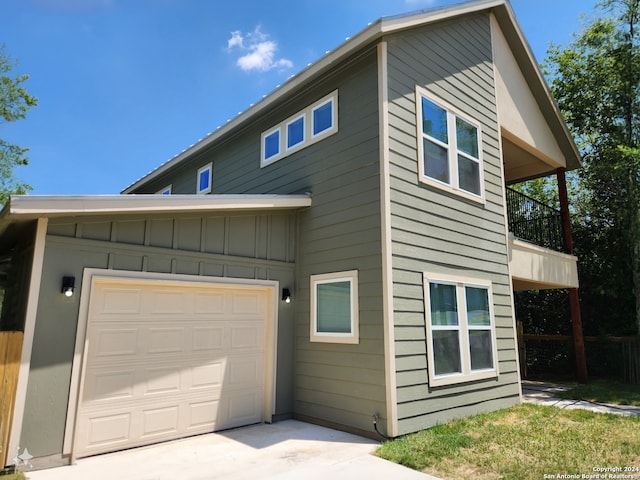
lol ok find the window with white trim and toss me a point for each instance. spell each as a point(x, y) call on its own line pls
point(449, 149)
point(165, 191)
point(204, 179)
point(461, 340)
point(334, 307)
point(301, 130)
point(295, 132)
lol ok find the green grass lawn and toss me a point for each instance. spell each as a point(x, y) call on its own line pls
point(523, 442)
point(602, 391)
point(13, 476)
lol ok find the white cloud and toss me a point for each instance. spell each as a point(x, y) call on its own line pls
point(260, 51)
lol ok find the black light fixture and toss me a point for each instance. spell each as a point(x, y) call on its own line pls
point(286, 295)
point(68, 285)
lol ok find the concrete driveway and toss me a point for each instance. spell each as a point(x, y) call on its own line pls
point(284, 450)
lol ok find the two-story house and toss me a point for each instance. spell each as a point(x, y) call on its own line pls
point(338, 253)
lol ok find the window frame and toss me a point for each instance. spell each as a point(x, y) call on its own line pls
point(464, 329)
point(452, 114)
point(263, 152)
point(309, 138)
point(304, 132)
point(168, 190)
point(199, 189)
point(353, 337)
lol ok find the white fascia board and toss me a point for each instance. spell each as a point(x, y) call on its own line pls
point(51, 205)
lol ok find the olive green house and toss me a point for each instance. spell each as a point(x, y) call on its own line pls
point(339, 253)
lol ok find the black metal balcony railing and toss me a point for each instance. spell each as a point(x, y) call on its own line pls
point(533, 221)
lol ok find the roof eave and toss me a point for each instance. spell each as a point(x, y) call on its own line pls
point(28, 206)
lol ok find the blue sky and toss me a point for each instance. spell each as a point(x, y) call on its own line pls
point(124, 85)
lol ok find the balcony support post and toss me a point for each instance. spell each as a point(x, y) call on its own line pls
point(574, 303)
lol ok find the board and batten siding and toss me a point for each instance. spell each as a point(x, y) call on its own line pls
point(239, 245)
point(435, 231)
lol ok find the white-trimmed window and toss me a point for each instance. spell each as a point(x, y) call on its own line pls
point(334, 307)
point(461, 340)
point(204, 179)
point(165, 191)
point(449, 148)
point(301, 130)
point(295, 132)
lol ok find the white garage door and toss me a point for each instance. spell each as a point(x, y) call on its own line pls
point(167, 361)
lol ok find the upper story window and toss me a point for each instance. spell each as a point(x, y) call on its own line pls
point(449, 148)
point(461, 338)
point(204, 179)
point(295, 132)
point(305, 128)
point(165, 191)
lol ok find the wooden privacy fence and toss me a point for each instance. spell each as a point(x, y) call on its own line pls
point(10, 350)
point(611, 357)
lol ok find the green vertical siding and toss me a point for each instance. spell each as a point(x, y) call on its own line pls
point(436, 231)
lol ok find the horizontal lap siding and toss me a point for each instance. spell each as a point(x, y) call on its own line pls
point(436, 231)
point(344, 383)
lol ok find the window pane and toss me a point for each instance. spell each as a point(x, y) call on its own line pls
point(446, 352)
point(272, 144)
point(469, 175)
point(203, 183)
point(444, 307)
point(480, 349)
point(295, 132)
point(323, 118)
point(434, 121)
point(477, 306)
point(467, 137)
point(436, 162)
point(333, 307)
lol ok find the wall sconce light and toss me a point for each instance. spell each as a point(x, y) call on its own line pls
point(286, 295)
point(68, 285)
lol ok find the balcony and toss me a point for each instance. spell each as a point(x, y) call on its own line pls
point(534, 222)
point(536, 260)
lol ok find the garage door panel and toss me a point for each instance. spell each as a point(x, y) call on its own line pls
point(207, 338)
point(159, 421)
point(168, 303)
point(164, 363)
point(119, 301)
point(161, 340)
point(202, 415)
point(114, 342)
point(109, 431)
point(109, 385)
point(245, 408)
point(162, 380)
point(207, 376)
point(209, 303)
point(246, 303)
point(244, 371)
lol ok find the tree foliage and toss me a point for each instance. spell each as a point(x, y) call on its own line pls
point(596, 81)
point(15, 101)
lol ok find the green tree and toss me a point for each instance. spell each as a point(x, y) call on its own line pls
point(596, 81)
point(15, 101)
